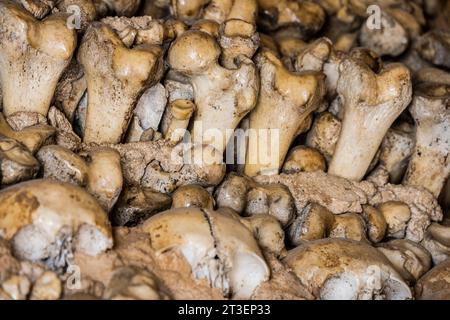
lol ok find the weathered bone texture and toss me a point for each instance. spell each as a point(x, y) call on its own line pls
point(133, 248)
point(396, 151)
point(33, 56)
point(33, 138)
point(65, 136)
point(131, 283)
point(430, 164)
point(346, 270)
point(217, 246)
point(434, 46)
point(435, 284)
point(223, 97)
point(299, 17)
point(136, 205)
point(41, 218)
point(340, 196)
point(116, 77)
point(237, 33)
point(16, 163)
point(285, 101)
point(99, 171)
point(163, 167)
point(248, 198)
point(437, 242)
point(410, 259)
point(372, 102)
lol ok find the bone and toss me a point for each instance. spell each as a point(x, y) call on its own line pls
point(223, 97)
point(201, 235)
point(430, 163)
point(342, 280)
point(53, 213)
point(372, 102)
point(279, 114)
point(35, 60)
point(115, 88)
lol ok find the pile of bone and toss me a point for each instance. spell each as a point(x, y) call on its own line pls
point(106, 104)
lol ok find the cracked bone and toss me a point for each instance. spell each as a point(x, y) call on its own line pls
point(285, 101)
point(178, 89)
point(337, 269)
point(34, 60)
point(137, 30)
point(223, 97)
point(16, 163)
point(336, 194)
point(372, 102)
point(375, 222)
point(217, 247)
point(116, 77)
point(430, 163)
point(61, 164)
point(70, 89)
point(41, 218)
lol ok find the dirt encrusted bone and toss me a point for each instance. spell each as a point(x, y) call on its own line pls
point(340, 196)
